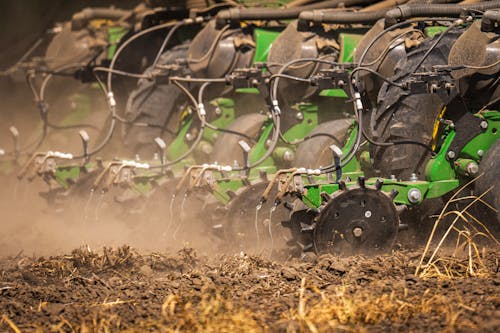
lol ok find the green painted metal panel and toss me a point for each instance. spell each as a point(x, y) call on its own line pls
point(264, 41)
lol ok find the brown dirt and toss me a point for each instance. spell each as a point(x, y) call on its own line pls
point(121, 289)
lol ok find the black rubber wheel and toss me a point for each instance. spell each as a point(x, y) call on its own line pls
point(401, 116)
point(154, 102)
point(316, 152)
point(490, 166)
point(226, 149)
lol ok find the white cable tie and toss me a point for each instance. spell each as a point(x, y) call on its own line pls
point(134, 164)
point(201, 107)
point(111, 99)
point(359, 104)
point(62, 155)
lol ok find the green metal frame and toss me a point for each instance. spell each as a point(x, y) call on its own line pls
point(442, 175)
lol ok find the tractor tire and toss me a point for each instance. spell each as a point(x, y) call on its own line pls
point(226, 149)
point(408, 117)
point(490, 168)
point(155, 102)
point(316, 152)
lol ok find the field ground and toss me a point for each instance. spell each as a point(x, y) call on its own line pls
point(120, 289)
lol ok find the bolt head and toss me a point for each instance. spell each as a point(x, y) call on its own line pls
point(413, 177)
point(480, 153)
point(357, 232)
point(484, 124)
point(414, 195)
point(189, 137)
point(451, 154)
point(472, 168)
point(218, 111)
point(299, 116)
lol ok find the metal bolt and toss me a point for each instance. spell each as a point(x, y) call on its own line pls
point(299, 116)
point(413, 177)
point(472, 168)
point(451, 154)
point(368, 214)
point(393, 177)
point(218, 111)
point(357, 232)
point(414, 195)
point(268, 143)
point(480, 153)
point(484, 124)
point(189, 137)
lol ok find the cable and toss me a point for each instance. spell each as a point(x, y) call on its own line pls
point(140, 34)
point(274, 90)
point(291, 77)
point(434, 45)
point(392, 46)
point(165, 42)
point(123, 73)
point(385, 79)
point(211, 50)
point(354, 84)
point(200, 131)
point(213, 127)
point(394, 27)
point(198, 80)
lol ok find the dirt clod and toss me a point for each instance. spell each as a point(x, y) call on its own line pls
point(122, 289)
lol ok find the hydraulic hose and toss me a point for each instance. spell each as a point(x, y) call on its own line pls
point(368, 15)
point(142, 33)
point(81, 19)
point(321, 16)
point(404, 12)
point(238, 14)
point(490, 18)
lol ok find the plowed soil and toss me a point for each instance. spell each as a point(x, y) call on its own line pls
point(121, 289)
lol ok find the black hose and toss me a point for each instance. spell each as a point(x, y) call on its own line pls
point(238, 14)
point(490, 18)
point(404, 12)
point(339, 17)
point(81, 19)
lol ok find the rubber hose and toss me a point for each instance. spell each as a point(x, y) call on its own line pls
point(320, 16)
point(238, 14)
point(490, 18)
point(81, 19)
point(446, 10)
